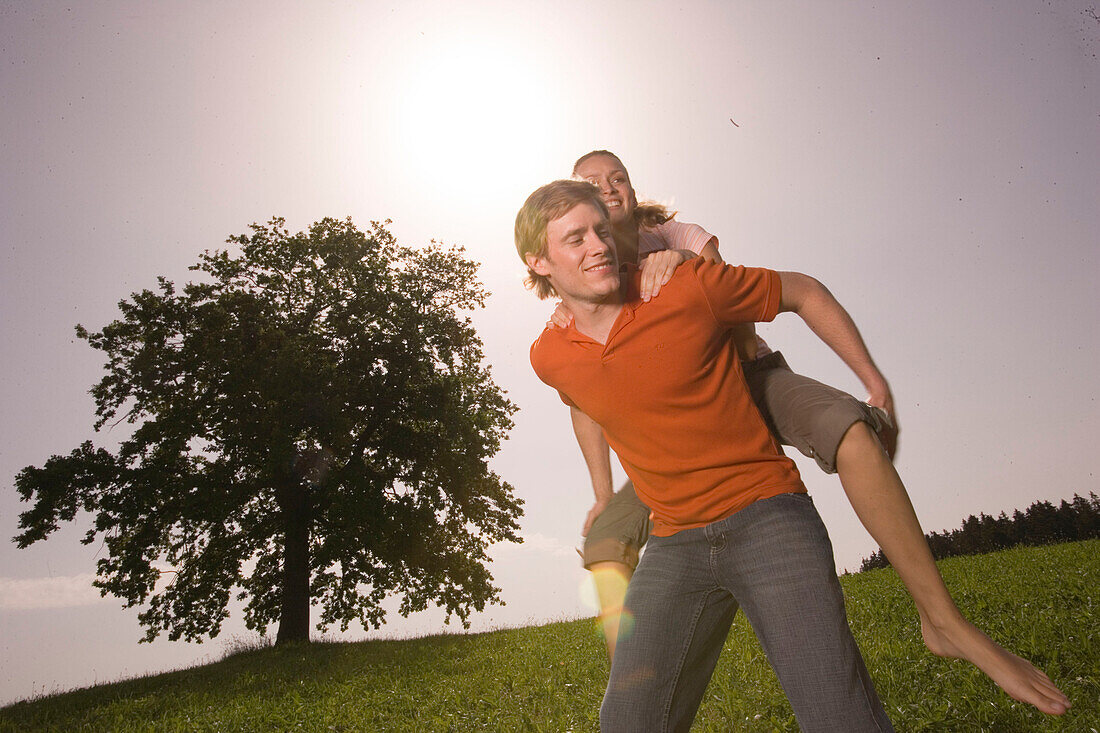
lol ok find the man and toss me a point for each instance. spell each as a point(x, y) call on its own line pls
point(839, 432)
point(733, 525)
point(813, 417)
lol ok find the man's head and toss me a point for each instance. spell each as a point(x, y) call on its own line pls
point(605, 171)
point(564, 237)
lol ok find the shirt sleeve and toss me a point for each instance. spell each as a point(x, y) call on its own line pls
point(541, 364)
point(737, 294)
point(674, 235)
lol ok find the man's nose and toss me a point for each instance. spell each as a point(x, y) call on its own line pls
point(597, 245)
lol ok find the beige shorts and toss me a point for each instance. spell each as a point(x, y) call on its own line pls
point(806, 414)
point(618, 533)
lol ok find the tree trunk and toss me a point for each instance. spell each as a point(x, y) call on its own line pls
point(294, 616)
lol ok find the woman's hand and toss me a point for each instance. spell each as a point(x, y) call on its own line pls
point(560, 318)
point(657, 269)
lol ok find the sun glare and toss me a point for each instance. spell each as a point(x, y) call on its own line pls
point(465, 110)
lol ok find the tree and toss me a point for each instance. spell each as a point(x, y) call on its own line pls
point(1042, 524)
point(313, 422)
point(1086, 517)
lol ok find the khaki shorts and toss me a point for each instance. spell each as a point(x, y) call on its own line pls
point(620, 530)
point(801, 412)
point(806, 414)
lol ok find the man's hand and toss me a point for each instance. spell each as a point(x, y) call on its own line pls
point(560, 318)
point(594, 512)
point(881, 397)
point(657, 269)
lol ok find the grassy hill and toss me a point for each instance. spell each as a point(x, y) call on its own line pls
point(1043, 603)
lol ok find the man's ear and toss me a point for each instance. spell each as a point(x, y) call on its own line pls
point(537, 264)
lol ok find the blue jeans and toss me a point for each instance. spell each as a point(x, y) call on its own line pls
point(774, 560)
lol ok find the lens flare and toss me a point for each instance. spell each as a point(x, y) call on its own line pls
point(611, 580)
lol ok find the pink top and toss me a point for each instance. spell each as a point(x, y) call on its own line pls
point(681, 235)
point(674, 235)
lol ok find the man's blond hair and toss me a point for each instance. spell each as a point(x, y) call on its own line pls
point(546, 204)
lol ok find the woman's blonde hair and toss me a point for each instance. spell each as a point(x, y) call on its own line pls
point(649, 214)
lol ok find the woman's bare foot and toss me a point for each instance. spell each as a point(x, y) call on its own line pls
point(1018, 677)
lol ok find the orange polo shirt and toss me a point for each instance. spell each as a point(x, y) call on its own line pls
point(668, 390)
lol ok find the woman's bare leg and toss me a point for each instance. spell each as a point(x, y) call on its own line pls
point(882, 504)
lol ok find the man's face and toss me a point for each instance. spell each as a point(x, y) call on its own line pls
point(580, 256)
point(609, 175)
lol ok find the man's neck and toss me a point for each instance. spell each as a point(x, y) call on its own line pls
point(595, 319)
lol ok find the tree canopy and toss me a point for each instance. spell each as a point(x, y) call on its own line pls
point(312, 423)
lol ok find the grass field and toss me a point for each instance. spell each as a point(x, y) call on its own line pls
point(1042, 603)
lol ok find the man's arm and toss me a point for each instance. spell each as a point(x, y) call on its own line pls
point(814, 304)
point(597, 456)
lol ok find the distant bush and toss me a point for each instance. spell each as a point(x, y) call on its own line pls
point(1041, 524)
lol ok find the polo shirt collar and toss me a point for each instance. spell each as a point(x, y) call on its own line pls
point(631, 284)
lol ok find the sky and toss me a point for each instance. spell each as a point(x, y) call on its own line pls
point(934, 164)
